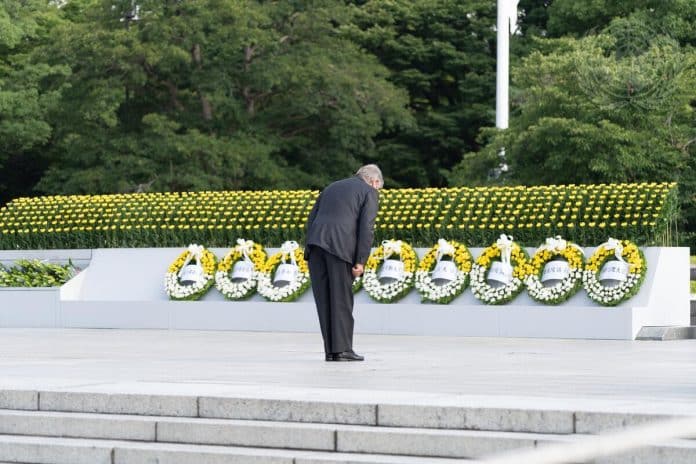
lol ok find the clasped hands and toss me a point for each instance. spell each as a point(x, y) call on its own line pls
point(357, 270)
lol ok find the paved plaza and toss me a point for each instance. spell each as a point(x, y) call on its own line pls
point(634, 375)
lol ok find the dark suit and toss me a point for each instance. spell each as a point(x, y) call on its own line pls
point(340, 229)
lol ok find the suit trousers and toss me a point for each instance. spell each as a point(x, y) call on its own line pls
point(332, 285)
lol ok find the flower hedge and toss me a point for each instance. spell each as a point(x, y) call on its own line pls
point(586, 214)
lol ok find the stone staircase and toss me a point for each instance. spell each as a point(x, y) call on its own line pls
point(55, 427)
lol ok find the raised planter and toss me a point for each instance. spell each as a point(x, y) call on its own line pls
point(36, 307)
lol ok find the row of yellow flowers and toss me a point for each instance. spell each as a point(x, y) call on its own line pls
point(584, 213)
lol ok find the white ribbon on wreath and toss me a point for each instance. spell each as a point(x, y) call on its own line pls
point(288, 249)
point(614, 244)
point(246, 248)
point(194, 251)
point(504, 244)
point(444, 248)
point(557, 244)
point(391, 247)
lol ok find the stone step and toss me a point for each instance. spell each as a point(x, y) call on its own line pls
point(264, 434)
point(454, 416)
point(48, 450)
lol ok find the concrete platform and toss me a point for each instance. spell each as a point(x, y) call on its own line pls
point(650, 376)
point(128, 396)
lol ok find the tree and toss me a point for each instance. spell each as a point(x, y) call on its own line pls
point(579, 17)
point(598, 109)
point(443, 53)
point(214, 94)
point(26, 94)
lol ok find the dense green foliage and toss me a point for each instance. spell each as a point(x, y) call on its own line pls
point(606, 96)
point(215, 94)
point(107, 96)
point(443, 53)
point(586, 214)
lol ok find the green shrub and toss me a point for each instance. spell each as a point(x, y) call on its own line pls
point(35, 273)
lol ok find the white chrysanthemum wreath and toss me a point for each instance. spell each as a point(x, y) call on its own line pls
point(196, 265)
point(298, 276)
point(569, 267)
point(402, 281)
point(458, 272)
point(627, 254)
point(251, 258)
point(509, 253)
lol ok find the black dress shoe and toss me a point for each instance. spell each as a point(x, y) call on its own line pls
point(330, 356)
point(348, 356)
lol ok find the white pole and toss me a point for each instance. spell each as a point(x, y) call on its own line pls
point(506, 25)
point(502, 74)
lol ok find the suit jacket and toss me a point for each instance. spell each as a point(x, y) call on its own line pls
point(342, 220)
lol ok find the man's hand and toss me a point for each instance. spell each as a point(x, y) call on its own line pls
point(358, 270)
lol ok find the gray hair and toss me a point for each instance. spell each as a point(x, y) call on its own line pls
point(370, 172)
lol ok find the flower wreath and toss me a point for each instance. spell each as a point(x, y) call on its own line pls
point(201, 257)
point(392, 291)
point(625, 252)
point(508, 252)
point(293, 290)
point(245, 250)
point(429, 290)
point(566, 287)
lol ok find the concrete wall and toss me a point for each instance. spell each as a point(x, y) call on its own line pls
point(123, 288)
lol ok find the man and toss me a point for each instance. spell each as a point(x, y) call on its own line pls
point(340, 229)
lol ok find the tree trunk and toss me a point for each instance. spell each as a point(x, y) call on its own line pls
point(206, 107)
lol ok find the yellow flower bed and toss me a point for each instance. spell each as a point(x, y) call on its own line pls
point(585, 214)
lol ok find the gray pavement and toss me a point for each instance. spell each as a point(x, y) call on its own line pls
point(502, 372)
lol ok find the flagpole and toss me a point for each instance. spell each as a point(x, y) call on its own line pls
point(506, 8)
point(506, 25)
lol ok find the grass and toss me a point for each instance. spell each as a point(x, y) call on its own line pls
point(693, 287)
point(693, 260)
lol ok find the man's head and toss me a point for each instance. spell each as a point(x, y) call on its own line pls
point(371, 174)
